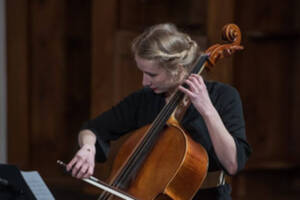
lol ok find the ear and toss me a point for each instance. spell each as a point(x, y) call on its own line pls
point(179, 74)
point(182, 71)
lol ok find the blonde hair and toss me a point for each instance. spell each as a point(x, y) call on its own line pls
point(168, 46)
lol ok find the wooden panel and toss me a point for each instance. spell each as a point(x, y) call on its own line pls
point(48, 88)
point(266, 16)
point(294, 149)
point(49, 60)
point(60, 73)
point(265, 83)
point(18, 83)
point(127, 76)
point(267, 184)
point(264, 87)
point(294, 136)
point(137, 14)
point(104, 15)
point(59, 87)
point(78, 71)
point(267, 80)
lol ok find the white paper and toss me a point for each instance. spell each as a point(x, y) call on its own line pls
point(37, 185)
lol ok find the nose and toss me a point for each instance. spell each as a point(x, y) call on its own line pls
point(146, 80)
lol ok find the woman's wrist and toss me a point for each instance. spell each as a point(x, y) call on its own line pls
point(86, 137)
point(89, 148)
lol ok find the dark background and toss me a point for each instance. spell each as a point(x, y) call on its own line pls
point(69, 60)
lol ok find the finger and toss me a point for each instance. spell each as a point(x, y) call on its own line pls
point(191, 84)
point(89, 171)
point(185, 91)
point(198, 78)
point(82, 171)
point(71, 163)
point(200, 81)
point(196, 83)
point(77, 167)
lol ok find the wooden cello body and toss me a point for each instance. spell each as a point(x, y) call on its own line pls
point(160, 160)
point(164, 172)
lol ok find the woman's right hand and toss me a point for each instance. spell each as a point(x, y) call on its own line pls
point(83, 163)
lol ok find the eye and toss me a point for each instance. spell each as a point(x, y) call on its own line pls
point(151, 74)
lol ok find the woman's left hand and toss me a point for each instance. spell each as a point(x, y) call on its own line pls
point(197, 93)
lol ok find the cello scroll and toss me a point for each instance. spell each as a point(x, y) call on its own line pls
point(230, 34)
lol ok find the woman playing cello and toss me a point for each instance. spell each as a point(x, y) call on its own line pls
point(214, 119)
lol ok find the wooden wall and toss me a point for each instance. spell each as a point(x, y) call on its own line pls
point(266, 76)
point(70, 60)
point(49, 96)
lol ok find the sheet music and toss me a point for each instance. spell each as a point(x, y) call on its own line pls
point(37, 185)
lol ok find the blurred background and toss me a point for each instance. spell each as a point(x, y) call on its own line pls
point(63, 62)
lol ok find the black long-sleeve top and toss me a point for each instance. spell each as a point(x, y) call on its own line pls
point(141, 108)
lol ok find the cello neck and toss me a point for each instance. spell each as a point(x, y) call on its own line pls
point(180, 102)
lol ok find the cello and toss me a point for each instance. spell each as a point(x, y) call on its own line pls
point(142, 168)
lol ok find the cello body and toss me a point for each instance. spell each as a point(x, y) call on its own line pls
point(174, 169)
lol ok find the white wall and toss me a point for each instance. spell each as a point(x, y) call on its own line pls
point(3, 155)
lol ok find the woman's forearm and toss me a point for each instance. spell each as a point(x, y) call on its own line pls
point(86, 137)
point(222, 141)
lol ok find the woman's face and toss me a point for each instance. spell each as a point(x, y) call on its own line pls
point(154, 76)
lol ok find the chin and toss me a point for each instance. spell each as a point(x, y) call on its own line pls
point(159, 90)
point(156, 91)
